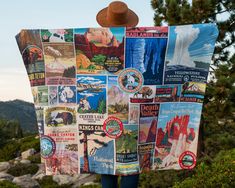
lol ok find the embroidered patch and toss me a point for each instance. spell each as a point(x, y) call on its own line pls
point(48, 146)
point(187, 160)
point(113, 127)
point(130, 80)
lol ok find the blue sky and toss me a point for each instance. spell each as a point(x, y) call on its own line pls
point(169, 110)
point(26, 14)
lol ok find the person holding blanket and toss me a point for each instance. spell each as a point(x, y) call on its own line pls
point(117, 14)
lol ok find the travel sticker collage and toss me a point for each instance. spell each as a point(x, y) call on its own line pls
point(118, 100)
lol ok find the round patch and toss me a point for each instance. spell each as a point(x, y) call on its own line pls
point(186, 78)
point(113, 127)
point(187, 160)
point(130, 80)
point(48, 146)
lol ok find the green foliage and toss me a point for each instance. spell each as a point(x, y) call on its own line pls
point(118, 108)
point(69, 35)
point(8, 184)
point(219, 173)
point(97, 178)
point(91, 68)
point(162, 178)
point(101, 109)
point(35, 158)
point(8, 130)
point(9, 151)
point(223, 141)
point(69, 72)
point(30, 142)
point(127, 142)
point(23, 169)
point(13, 148)
point(217, 130)
point(47, 182)
point(99, 59)
point(20, 111)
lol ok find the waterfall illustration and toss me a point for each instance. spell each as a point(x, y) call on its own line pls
point(185, 36)
point(138, 55)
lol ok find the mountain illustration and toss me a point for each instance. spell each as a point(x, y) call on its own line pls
point(101, 37)
point(82, 61)
point(117, 96)
point(90, 49)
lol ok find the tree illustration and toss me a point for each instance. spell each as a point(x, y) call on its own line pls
point(101, 106)
point(99, 59)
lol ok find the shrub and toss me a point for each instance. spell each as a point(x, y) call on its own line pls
point(219, 173)
point(22, 169)
point(35, 158)
point(9, 151)
point(8, 184)
point(13, 148)
point(97, 178)
point(29, 142)
point(47, 182)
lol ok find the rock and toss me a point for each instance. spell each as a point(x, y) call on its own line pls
point(25, 161)
point(83, 61)
point(75, 178)
point(17, 158)
point(83, 178)
point(37, 137)
point(63, 179)
point(102, 36)
point(90, 49)
point(4, 166)
point(28, 153)
point(90, 183)
point(26, 181)
point(40, 173)
point(16, 162)
point(5, 176)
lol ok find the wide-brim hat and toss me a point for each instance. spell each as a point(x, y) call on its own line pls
point(117, 14)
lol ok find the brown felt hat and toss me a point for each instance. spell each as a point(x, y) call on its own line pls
point(117, 14)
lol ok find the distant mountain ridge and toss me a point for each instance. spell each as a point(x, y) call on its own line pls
point(22, 111)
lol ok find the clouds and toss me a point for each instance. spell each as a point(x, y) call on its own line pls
point(94, 80)
point(88, 94)
point(207, 46)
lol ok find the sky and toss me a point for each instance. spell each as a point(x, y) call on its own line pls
point(27, 14)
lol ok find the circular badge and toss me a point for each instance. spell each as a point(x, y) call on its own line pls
point(186, 78)
point(130, 80)
point(187, 160)
point(113, 127)
point(48, 146)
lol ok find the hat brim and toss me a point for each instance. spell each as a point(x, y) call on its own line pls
point(101, 18)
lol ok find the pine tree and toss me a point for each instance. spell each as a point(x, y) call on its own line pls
point(218, 117)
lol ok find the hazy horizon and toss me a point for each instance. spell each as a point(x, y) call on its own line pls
point(17, 15)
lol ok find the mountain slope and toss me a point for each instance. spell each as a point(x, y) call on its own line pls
point(22, 111)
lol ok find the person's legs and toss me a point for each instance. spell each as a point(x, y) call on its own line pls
point(130, 181)
point(109, 181)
